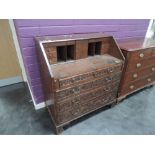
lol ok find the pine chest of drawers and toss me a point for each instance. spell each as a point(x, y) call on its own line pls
point(139, 68)
point(80, 74)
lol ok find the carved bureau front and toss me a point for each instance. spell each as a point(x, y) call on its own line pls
point(80, 74)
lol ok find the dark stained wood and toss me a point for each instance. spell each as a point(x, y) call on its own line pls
point(80, 108)
point(142, 54)
point(88, 86)
point(83, 45)
point(66, 38)
point(135, 85)
point(47, 81)
point(138, 74)
point(75, 82)
point(81, 49)
point(136, 44)
point(85, 77)
point(51, 54)
point(139, 65)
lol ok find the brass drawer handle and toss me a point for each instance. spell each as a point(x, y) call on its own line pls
point(131, 87)
point(108, 79)
point(75, 101)
point(135, 75)
point(102, 100)
point(139, 65)
point(149, 79)
point(117, 61)
point(153, 69)
point(141, 55)
point(76, 90)
point(107, 89)
point(74, 113)
point(72, 80)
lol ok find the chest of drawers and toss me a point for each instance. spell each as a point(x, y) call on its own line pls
point(80, 74)
point(139, 68)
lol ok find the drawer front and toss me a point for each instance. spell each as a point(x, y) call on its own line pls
point(136, 65)
point(137, 84)
point(71, 81)
point(132, 76)
point(141, 54)
point(67, 104)
point(79, 109)
point(62, 94)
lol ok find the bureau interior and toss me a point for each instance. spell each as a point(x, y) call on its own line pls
point(83, 66)
point(69, 50)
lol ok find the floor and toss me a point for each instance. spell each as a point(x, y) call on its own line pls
point(135, 115)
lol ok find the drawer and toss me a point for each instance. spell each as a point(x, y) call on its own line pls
point(81, 108)
point(141, 54)
point(82, 78)
point(137, 84)
point(136, 65)
point(132, 76)
point(69, 92)
point(85, 97)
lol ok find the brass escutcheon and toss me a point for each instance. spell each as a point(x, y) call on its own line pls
point(131, 87)
point(153, 69)
point(139, 65)
point(141, 55)
point(135, 75)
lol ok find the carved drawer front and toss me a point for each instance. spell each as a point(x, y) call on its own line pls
point(101, 101)
point(135, 65)
point(141, 54)
point(132, 76)
point(68, 82)
point(81, 108)
point(86, 86)
point(138, 84)
point(67, 104)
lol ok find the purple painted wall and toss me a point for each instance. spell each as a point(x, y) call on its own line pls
point(27, 29)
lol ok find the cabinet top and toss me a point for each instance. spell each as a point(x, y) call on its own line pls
point(71, 37)
point(83, 66)
point(136, 44)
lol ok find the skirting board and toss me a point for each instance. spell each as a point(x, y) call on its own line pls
point(36, 106)
point(42, 105)
point(39, 105)
point(9, 81)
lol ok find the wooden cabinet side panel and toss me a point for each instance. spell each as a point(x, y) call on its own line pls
point(46, 79)
point(126, 55)
point(115, 50)
point(106, 46)
point(51, 53)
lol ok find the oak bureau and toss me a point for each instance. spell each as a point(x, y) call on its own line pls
point(80, 74)
point(139, 67)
